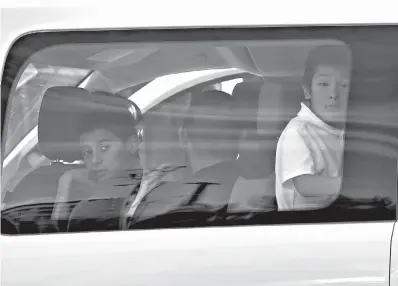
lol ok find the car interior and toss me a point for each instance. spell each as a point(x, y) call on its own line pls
point(268, 97)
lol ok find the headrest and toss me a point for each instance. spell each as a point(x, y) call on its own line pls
point(246, 95)
point(214, 117)
point(213, 106)
point(268, 102)
point(272, 104)
point(279, 102)
point(64, 110)
point(205, 98)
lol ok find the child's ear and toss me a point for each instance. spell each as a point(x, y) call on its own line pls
point(307, 93)
point(132, 144)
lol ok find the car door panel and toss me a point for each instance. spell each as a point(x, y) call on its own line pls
point(337, 254)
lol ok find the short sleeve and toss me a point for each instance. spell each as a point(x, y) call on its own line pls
point(294, 157)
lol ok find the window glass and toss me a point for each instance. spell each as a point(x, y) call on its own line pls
point(23, 113)
point(24, 110)
point(271, 131)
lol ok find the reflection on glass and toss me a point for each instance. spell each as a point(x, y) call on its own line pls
point(204, 154)
point(25, 103)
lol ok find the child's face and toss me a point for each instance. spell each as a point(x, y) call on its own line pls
point(105, 154)
point(329, 93)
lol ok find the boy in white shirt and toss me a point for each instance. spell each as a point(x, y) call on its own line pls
point(310, 149)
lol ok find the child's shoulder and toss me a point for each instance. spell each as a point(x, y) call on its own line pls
point(296, 126)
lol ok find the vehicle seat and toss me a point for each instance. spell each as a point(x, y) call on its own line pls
point(162, 143)
point(273, 104)
point(33, 197)
point(206, 192)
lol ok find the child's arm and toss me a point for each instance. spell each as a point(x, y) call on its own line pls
point(317, 185)
point(61, 210)
point(149, 182)
point(297, 165)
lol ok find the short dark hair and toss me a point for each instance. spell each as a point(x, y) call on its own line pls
point(107, 112)
point(119, 124)
point(331, 55)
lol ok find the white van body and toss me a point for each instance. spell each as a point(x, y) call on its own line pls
point(349, 253)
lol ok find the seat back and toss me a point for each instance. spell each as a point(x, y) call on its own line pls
point(271, 105)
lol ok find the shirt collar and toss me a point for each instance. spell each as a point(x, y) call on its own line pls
point(306, 114)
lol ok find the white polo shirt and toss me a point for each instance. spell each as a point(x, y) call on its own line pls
point(306, 146)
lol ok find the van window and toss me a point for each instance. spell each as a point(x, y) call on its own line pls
point(24, 109)
point(114, 135)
